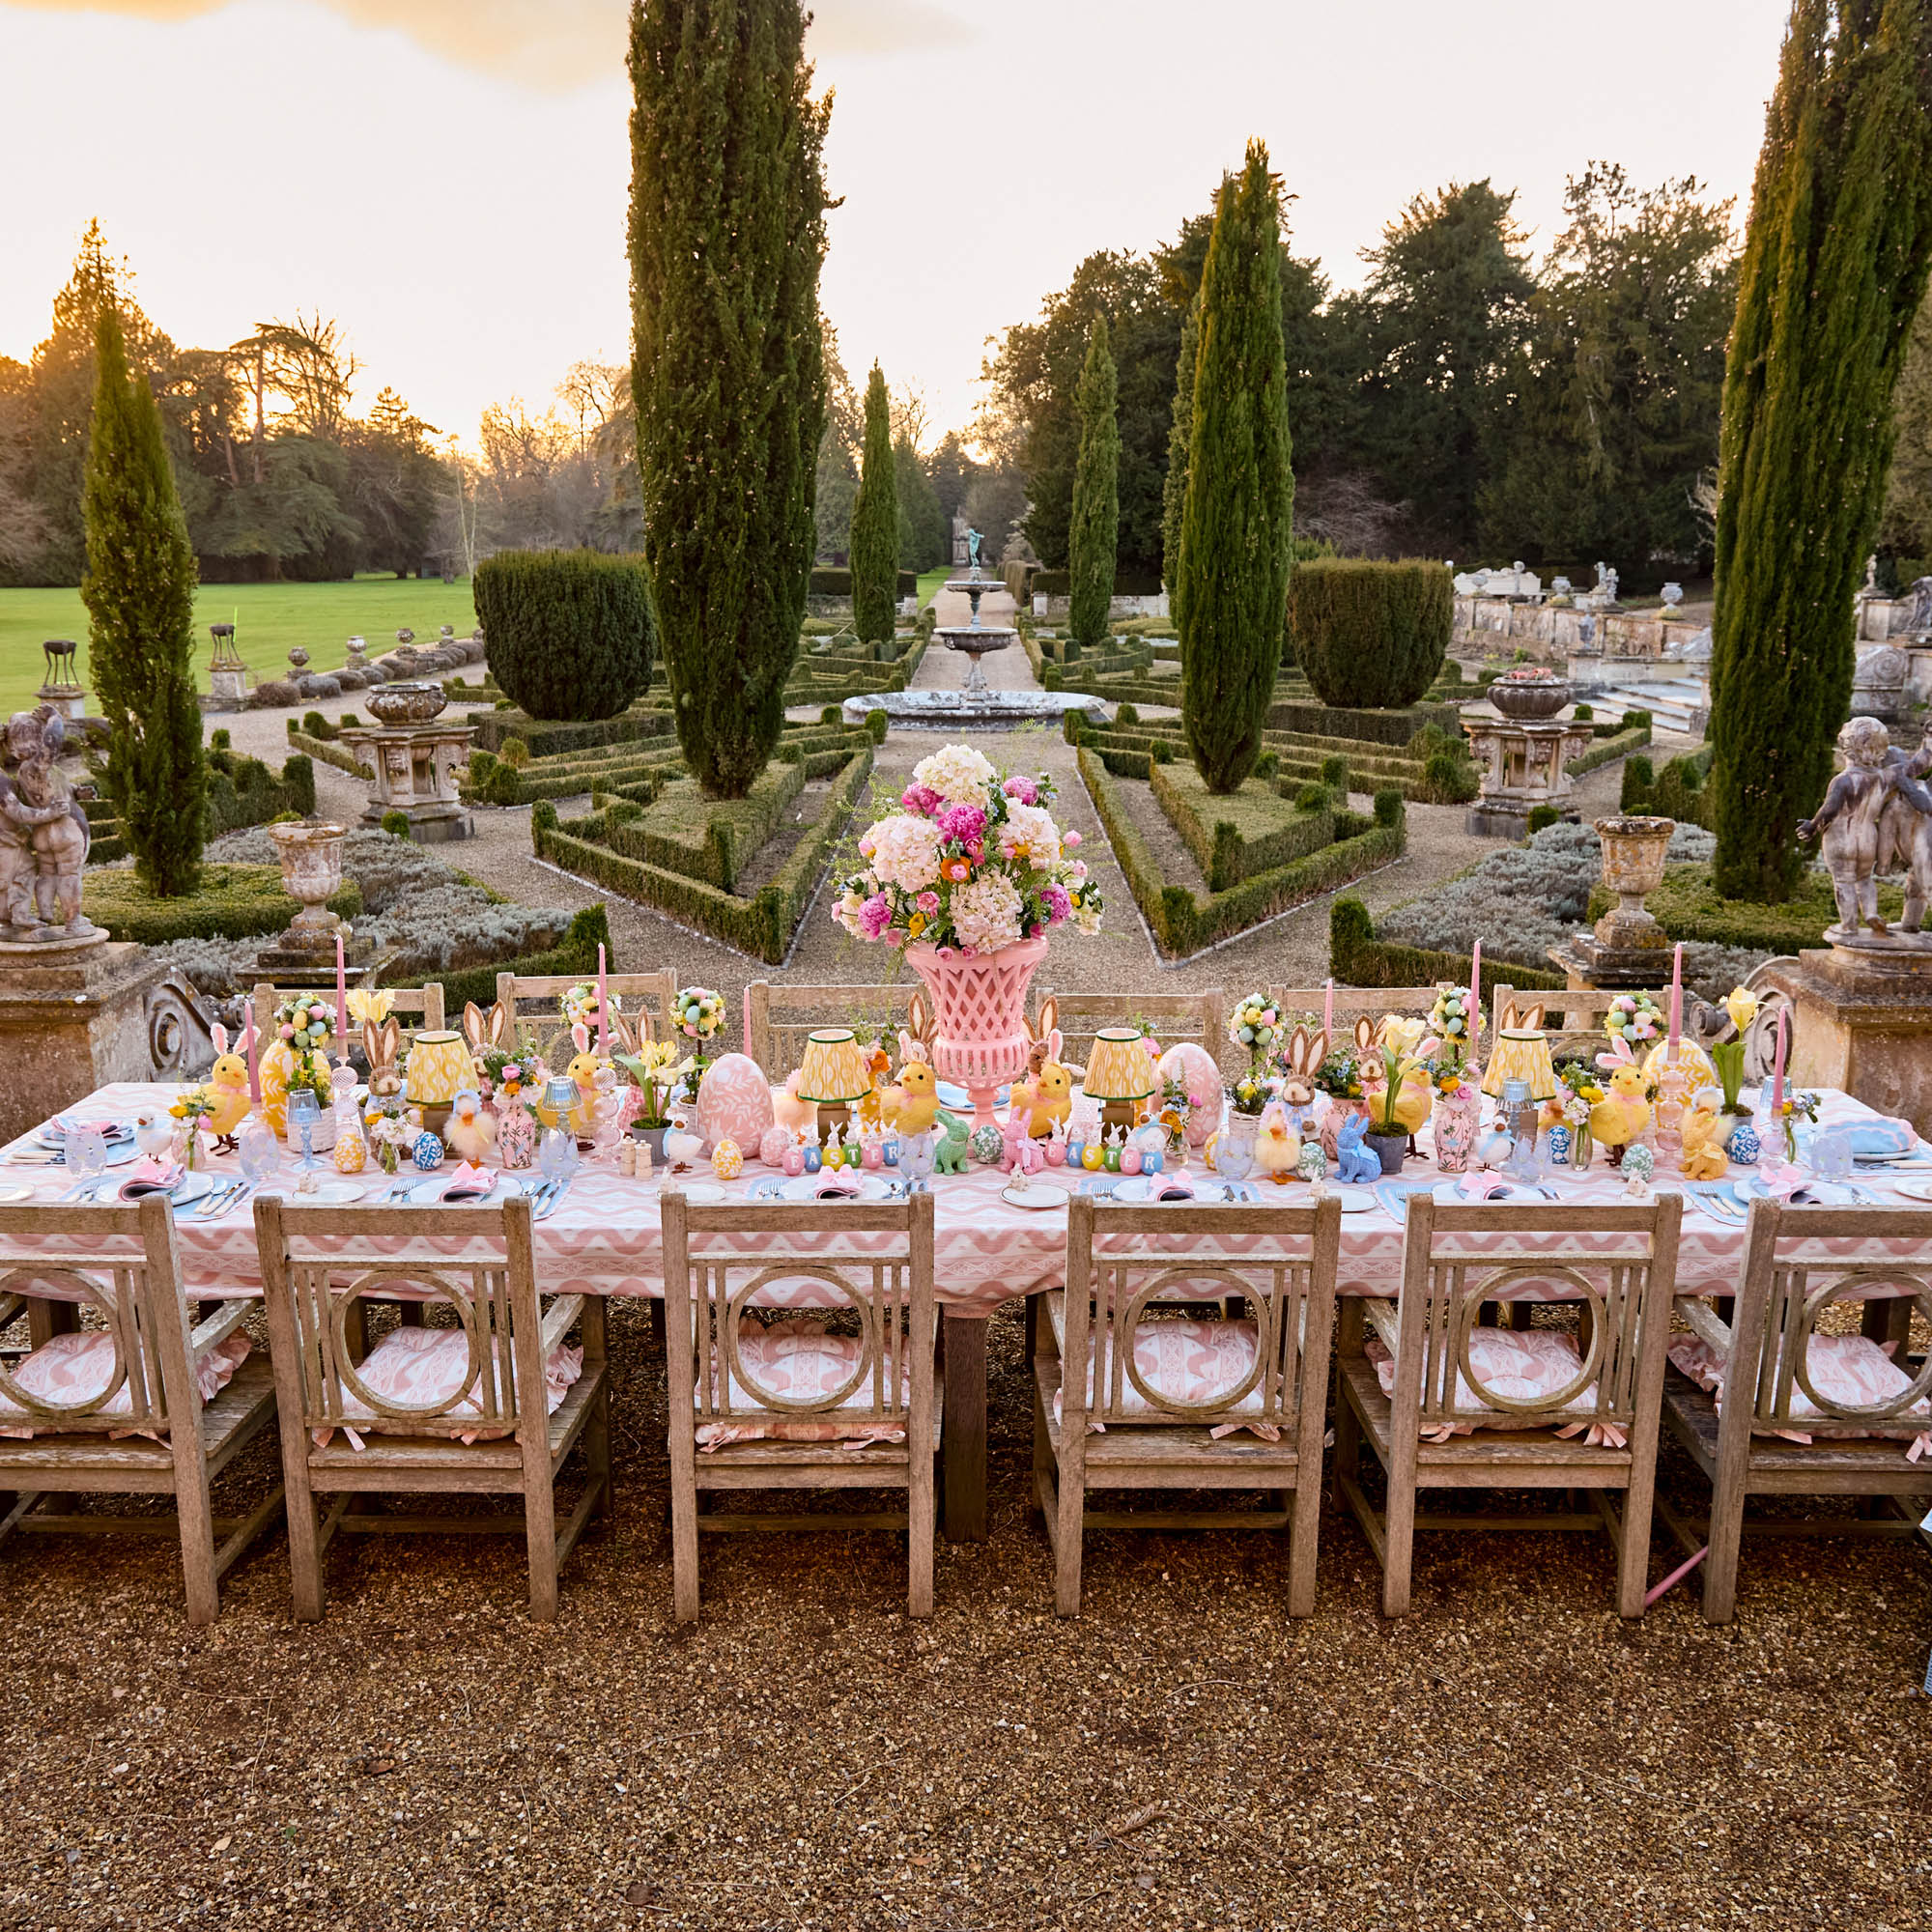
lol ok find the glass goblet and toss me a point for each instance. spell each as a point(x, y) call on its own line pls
point(305, 1111)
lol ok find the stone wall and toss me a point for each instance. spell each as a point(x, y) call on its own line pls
point(1555, 631)
point(1058, 610)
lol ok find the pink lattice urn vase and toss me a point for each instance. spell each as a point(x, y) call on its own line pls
point(979, 1004)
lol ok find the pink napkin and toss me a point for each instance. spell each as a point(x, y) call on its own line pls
point(1479, 1185)
point(151, 1176)
point(836, 1187)
point(469, 1182)
point(1782, 1180)
point(1171, 1186)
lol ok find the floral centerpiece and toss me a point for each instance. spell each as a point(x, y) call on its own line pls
point(195, 1105)
point(655, 1071)
point(969, 876)
point(1455, 1031)
point(298, 1057)
point(1636, 1019)
point(1728, 1056)
point(1797, 1107)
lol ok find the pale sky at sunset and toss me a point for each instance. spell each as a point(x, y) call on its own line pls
point(448, 177)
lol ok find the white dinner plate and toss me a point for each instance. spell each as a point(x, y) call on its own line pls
point(8, 1195)
point(1039, 1197)
point(190, 1187)
point(707, 1193)
point(1912, 1191)
point(329, 1193)
point(1355, 1200)
point(805, 1186)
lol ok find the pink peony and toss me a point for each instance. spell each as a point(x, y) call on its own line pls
point(1058, 904)
point(876, 915)
point(963, 824)
point(1070, 840)
point(1022, 789)
point(928, 902)
point(920, 798)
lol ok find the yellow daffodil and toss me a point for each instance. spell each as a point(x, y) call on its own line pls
point(179, 1111)
point(916, 924)
point(370, 1008)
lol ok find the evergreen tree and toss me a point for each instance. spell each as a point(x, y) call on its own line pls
point(875, 522)
point(1096, 493)
point(923, 533)
point(1835, 268)
point(1174, 491)
point(139, 593)
point(1237, 530)
point(727, 238)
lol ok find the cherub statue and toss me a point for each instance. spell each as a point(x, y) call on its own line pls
point(43, 831)
point(1852, 825)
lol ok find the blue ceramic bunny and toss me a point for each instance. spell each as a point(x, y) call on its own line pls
point(1352, 1160)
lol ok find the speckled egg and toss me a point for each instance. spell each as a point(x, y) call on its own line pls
point(988, 1145)
point(727, 1162)
point(734, 1102)
point(1743, 1146)
point(772, 1146)
point(427, 1153)
point(1192, 1062)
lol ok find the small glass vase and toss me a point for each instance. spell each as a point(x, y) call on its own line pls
point(1457, 1121)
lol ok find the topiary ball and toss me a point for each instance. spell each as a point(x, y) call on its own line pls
point(427, 1153)
point(986, 1146)
point(1743, 1146)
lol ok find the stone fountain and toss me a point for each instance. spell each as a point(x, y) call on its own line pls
point(975, 638)
point(415, 755)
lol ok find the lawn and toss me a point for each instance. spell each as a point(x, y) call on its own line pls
point(268, 618)
point(930, 582)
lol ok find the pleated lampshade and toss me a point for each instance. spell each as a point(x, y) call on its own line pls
point(1520, 1053)
point(835, 1067)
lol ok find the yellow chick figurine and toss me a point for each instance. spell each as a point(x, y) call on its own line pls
point(913, 1104)
point(1414, 1098)
point(227, 1092)
point(1624, 1111)
point(1277, 1146)
point(471, 1132)
point(1049, 1099)
point(1703, 1157)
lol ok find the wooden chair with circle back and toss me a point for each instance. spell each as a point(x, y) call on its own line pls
point(1117, 1352)
point(859, 1408)
point(781, 1016)
point(114, 1400)
point(1620, 1264)
point(533, 1002)
point(1173, 1017)
point(394, 1418)
point(1799, 1429)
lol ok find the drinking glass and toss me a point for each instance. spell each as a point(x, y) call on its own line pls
point(87, 1150)
point(258, 1152)
point(305, 1111)
point(1832, 1156)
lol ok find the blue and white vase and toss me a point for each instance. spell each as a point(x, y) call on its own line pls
point(1559, 1146)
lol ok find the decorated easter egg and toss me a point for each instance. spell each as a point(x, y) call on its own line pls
point(726, 1162)
point(1743, 1146)
point(988, 1145)
point(352, 1153)
point(1194, 1066)
point(1639, 1162)
point(734, 1102)
point(427, 1153)
point(772, 1146)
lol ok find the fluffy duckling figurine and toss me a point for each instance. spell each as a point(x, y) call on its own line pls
point(228, 1089)
point(1703, 1157)
point(797, 1117)
point(471, 1132)
point(1277, 1146)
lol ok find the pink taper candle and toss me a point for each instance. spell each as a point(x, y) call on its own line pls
point(1778, 1072)
point(1328, 1011)
point(747, 1047)
point(341, 999)
point(1676, 1003)
point(1475, 996)
point(602, 1001)
point(249, 1036)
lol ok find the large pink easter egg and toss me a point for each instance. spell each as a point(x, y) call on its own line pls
point(734, 1102)
point(1192, 1062)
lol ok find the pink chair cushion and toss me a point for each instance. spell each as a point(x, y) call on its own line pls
point(801, 1362)
point(1532, 1366)
point(422, 1366)
point(72, 1370)
point(1181, 1358)
point(1851, 1370)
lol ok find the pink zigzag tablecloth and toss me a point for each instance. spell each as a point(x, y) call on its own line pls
point(604, 1237)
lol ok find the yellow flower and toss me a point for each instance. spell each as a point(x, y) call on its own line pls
point(1742, 1008)
point(371, 1009)
point(178, 1110)
point(1592, 1094)
point(916, 924)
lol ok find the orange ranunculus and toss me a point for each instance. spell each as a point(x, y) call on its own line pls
point(956, 870)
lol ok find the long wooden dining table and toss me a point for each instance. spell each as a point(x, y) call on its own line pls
point(603, 1238)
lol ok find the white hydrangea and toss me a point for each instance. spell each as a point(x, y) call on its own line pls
point(958, 773)
point(905, 851)
point(987, 912)
point(1030, 836)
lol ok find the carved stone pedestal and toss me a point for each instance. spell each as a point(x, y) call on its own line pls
point(416, 756)
point(1524, 762)
point(1588, 962)
point(72, 1018)
point(1861, 1020)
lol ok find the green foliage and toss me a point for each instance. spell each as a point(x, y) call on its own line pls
point(830, 714)
point(1095, 530)
point(876, 726)
point(1388, 805)
point(221, 738)
point(1356, 957)
point(1584, 712)
point(1834, 273)
point(1678, 791)
point(1448, 778)
point(875, 521)
point(1541, 815)
point(568, 633)
point(1370, 634)
point(1907, 530)
point(1312, 797)
point(1126, 715)
point(1234, 836)
point(1180, 430)
point(1237, 529)
point(139, 593)
point(1371, 728)
point(515, 752)
point(925, 538)
point(1689, 906)
point(242, 791)
point(496, 728)
point(574, 956)
point(727, 238)
point(396, 824)
point(1335, 775)
point(318, 726)
point(229, 902)
point(1607, 751)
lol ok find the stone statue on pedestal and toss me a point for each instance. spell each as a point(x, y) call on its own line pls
point(973, 542)
point(44, 835)
point(1875, 813)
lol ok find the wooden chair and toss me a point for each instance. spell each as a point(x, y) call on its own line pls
point(124, 1265)
point(534, 1003)
point(1448, 1274)
point(1098, 1354)
point(1788, 1282)
point(1201, 1017)
point(1351, 1002)
point(320, 1265)
point(881, 1379)
point(781, 1016)
point(1573, 1019)
point(425, 1002)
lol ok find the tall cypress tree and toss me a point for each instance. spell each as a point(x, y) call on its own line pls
point(1238, 531)
point(1094, 531)
point(726, 236)
point(875, 522)
point(139, 593)
point(1834, 265)
point(1179, 433)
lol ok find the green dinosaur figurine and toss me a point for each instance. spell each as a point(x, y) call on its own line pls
point(949, 1152)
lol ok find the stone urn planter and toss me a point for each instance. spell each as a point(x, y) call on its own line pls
point(407, 703)
point(1531, 693)
point(311, 858)
point(1634, 853)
